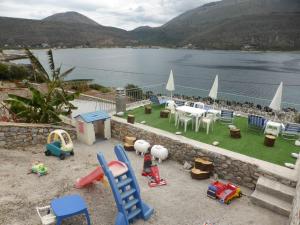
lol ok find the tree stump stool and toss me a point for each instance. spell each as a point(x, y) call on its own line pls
point(269, 140)
point(130, 119)
point(204, 165)
point(164, 113)
point(235, 133)
point(129, 143)
point(148, 109)
point(199, 174)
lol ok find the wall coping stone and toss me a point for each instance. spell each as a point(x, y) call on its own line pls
point(34, 125)
point(263, 166)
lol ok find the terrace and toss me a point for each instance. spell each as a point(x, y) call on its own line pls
point(250, 144)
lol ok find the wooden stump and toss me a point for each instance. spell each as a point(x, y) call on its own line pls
point(148, 109)
point(199, 174)
point(129, 143)
point(235, 133)
point(128, 147)
point(130, 140)
point(269, 140)
point(130, 119)
point(204, 165)
point(164, 113)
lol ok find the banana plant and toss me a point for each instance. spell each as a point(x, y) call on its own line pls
point(44, 107)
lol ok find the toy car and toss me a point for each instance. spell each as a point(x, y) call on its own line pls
point(59, 144)
point(225, 193)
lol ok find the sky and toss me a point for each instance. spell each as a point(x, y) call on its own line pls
point(126, 14)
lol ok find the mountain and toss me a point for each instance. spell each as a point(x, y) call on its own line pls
point(70, 17)
point(231, 24)
point(68, 29)
point(227, 24)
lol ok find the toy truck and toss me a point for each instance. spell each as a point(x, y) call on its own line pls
point(225, 193)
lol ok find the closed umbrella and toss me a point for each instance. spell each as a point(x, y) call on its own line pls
point(276, 102)
point(170, 85)
point(214, 89)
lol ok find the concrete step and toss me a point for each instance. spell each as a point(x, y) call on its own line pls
point(271, 202)
point(276, 189)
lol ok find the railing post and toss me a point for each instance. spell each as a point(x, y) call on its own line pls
point(120, 100)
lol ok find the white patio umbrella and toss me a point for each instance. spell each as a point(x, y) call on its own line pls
point(276, 102)
point(170, 85)
point(214, 89)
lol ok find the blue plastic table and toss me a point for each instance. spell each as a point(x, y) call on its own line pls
point(68, 206)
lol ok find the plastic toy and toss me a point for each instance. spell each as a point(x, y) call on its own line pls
point(39, 168)
point(160, 152)
point(151, 171)
point(125, 189)
point(46, 215)
point(225, 193)
point(59, 144)
point(97, 174)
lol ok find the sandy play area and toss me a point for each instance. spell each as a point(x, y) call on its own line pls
point(182, 202)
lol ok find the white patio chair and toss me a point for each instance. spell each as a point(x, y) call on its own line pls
point(184, 119)
point(171, 106)
point(207, 122)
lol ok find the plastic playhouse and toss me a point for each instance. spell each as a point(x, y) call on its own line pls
point(59, 143)
point(225, 193)
point(125, 188)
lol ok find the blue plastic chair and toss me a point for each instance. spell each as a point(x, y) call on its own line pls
point(291, 131)
point(226, 116)
point(69, 206)
point(256, 122)
point(157, 101)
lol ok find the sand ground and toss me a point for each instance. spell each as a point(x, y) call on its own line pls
point(182, 202)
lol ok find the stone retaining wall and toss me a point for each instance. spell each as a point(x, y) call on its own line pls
point(239, 169)
point(294, 218)
point(20, 135)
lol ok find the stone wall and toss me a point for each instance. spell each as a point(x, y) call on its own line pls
point(239, 169)
point(295, 213)
point(20, 135)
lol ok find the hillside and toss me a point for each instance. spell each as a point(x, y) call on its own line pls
point(227, 24)
point(70, 17)
point(231, 24)
point(66, 30)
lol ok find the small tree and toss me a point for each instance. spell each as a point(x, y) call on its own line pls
point(44, 107)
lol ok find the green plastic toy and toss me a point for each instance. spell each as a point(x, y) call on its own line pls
point(39, 169)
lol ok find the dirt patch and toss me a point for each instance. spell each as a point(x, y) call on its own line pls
point(183, 201)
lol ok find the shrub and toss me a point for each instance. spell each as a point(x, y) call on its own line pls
point(19, 72)
point(297, 118)
point(99, 87)
point(4, 72)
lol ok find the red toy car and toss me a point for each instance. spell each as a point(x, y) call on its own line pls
point(224, 192)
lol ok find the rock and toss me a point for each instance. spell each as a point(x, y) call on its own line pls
point(215, 143)
point(297, 142)
point(120, 114)
point(187, 165)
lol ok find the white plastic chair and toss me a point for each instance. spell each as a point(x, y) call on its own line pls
point(207, 122)
point(184, 119)
point(171, 106)
point(46, 215)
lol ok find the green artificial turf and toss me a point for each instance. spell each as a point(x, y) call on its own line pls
point(251, 143)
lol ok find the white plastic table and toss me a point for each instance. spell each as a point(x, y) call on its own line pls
point(193, 111)
point(273, 128)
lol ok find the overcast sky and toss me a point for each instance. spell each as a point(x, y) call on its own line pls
point(126, 14)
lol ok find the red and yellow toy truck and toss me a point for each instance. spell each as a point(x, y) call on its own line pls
point(225, 193)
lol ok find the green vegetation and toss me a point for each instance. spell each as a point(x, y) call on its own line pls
point(13, 72)
point(251, 143)
point(100, 88)
point(43, 107)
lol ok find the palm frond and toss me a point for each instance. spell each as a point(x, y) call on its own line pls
point(38, 68)
point(64, 74)
point(51, 61)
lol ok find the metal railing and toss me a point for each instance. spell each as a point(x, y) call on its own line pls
point(197, 94)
